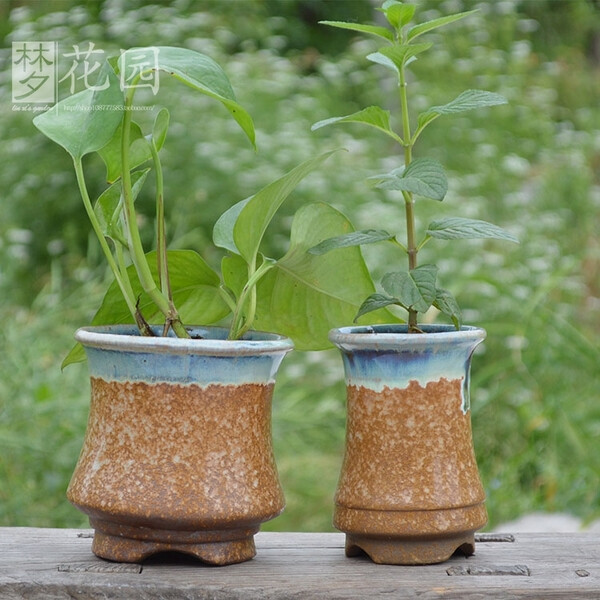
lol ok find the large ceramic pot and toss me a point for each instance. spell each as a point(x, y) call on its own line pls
point(178, 454)
point(409, 490)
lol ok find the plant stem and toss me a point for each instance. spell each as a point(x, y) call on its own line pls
point(120, 276)
point(135, 243)
point(411, 246)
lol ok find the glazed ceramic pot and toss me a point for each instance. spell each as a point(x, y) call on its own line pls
point(177, 454)
point(409, 490)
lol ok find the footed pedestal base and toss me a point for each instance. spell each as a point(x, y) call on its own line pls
point(134, 544)
point(417, 550)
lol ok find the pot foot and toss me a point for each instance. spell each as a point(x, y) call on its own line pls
point(129, 550)
point(424, 550)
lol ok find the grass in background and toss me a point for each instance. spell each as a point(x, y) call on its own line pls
point(532, 167)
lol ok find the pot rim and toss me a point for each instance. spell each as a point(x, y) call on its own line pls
point(393, 334)
point(127, 338)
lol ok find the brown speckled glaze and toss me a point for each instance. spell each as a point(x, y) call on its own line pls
point(177, 467)
point(409, 491)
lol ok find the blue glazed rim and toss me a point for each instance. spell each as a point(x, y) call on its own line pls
point(392, 336)
point(213, 342)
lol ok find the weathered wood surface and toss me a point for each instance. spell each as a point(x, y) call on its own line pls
point(57, 564)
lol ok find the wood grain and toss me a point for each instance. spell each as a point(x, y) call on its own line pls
point(57, 564)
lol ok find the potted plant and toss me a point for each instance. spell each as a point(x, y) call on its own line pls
point(177, 454)
point(409, 490)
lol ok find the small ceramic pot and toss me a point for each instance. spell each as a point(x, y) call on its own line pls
point(177, 453)
point(409, 490)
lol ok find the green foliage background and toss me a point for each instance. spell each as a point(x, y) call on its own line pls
point(531, 166)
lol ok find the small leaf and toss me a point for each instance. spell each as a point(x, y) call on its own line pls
point(424, 177)
point(468, 100)
point(375, 302)
point(84, 122)
point(414, 289)
point(108, 207)
point(223, 228)
point(453, 228)
point(447, 304)
point(399, 14)
point(380, 59)
point(192, 68)
point(255, 216)
point(400, 54)
point(374, 116)
point(435, 23)
point(356, 238)
point(160, 127)
point(370, 29)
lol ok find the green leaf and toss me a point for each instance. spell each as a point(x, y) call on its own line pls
point(374, 116)
point(83, 122)
point(453, 228)
point(435, 23)
point(424, 177)
point(160, 127)
point(255, 216)
point(108, 207)
point(192, 68)
point(223, 228)
point(375, 302)
point(400, 54)
point(414, 289)
point(468, 100)
point(305, 295)
point(447, 304)
point(370, 29)
point(355, 238)
point(195, 289)
point(380, 59)
point(399, 14)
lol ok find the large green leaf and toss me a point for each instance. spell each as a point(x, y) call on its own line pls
point(195, 289)
point(435, 23)
point(255, 216)
point(424, 177)
point(305, 295)
point(370, 29)
point(453, 228)
point(468, 100)
point(415, 289)
point(373, 116)
point(192, 68)
point(86, 121)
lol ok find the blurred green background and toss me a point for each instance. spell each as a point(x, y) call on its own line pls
point(532, 166)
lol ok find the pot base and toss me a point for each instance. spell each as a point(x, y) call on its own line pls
point(404, 550)
point(130, 544)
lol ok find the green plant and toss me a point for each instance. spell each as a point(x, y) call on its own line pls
point(416, 289)
point(307, 294)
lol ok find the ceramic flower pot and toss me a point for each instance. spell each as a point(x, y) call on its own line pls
point(178, 454)
point(409, 490)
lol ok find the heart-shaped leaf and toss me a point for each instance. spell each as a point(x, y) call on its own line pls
point(195, 289)
point(373, 116)
point(424, 177)
point(414, 289)
point(86, 121)
point(192, 68)
point(305, 295)
point(356, 238)
point(453, 228)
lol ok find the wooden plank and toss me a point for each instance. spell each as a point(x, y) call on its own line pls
point(57, 564)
